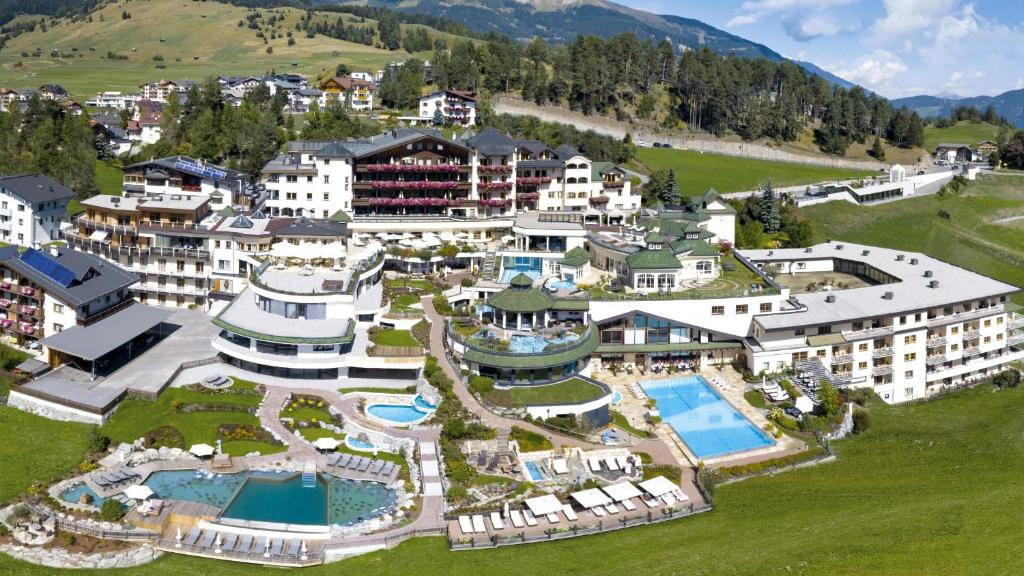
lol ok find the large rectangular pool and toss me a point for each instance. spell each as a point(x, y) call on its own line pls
point(708, 424)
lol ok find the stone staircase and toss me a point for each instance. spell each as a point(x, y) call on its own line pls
point(489, 270)
point(503, 455)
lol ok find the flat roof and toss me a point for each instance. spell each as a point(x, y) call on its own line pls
point(912, 292)
point(549, 220)
point(98, 339)
point(243, 316)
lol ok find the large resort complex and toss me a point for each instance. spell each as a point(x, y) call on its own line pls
point(306, 331)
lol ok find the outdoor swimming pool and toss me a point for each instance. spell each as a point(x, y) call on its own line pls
point(708, 424)
point(357, 444)
point(534, 471)
point(277, 497)
point(74, 493)
point(529, 344)
point(562, 285)
point(514, 266)
point(423, 404)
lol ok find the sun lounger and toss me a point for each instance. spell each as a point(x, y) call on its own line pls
point(481, 459)
point(553, 517)
point(244, 544)
point(333, 459)
point(569, 514)
point(344, 459)
point(516, 517)
point(669, 499)
point(354, 462)
point(466, 525)
point(595, 465)
point(294, 547)
point(622, 461)
point(528, 516)
point(494, 463)
point(100, 481)
point(628, 505)
point(378, 465)
point(612, 508)
point(651, 503)
point(599, 511)
point(229, 542)
point(276, 545)
point(496, 522)
point(259, 545)
point(364, 465)
point(611, 463)
point(388, 469)
point(208, 537)
point(192, 537)
point(680, 496)
point(478, 523)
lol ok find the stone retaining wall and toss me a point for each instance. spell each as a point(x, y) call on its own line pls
point(61, 558)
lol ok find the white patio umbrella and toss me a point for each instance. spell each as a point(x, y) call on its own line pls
point(507, 238)
point(463, 235)
point(138, 492)
point(408, 235)
point(383, 235)
point(326, 443)
point(448, 237)
point(217, 543)
point(177, 538)
point(201, 450)
point(305, 551)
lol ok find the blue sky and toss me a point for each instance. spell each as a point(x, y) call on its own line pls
point(895, 47)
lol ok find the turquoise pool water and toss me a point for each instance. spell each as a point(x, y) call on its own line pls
point(563, 285)
point(423, 404)
point(528, 344)
point(708, 424)
point(397, 413)
point(73, 494)
point(273, 497)
point(534, 471)
point(617, 397)
point(357, 444)
point(509, 273)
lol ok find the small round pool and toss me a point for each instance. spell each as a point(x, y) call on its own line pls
point(423, 405)
point(74, 494)
point(357, 444)
point(617, 397)
point(563, 285)
point(401, 414)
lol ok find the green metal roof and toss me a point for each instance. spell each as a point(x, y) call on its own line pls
point(575, 258)
point(520, 298)
point(521, 281)
point(694, 248)
point(536, 360)
point(652, 260)
point(597, 170)
point(347, 337)
point(570, 304)
point(340, 216)
point(667, 347)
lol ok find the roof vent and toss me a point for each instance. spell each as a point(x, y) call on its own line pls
point(839, 246)
point(900, 257)
point(933, 284)
point(771, 252)
point(865, 253)
point(927, 273)
point(808, 250)
point(913, 261)
point(831, 298)
point(888, 296)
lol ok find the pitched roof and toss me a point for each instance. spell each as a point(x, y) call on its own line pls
point(575, 258)
point(694, 248)
point(521, 296)
point(491, 142)
point(307, 227)
point(652, 260)
point(566, 151)
point(35, 188)
point(90, 276)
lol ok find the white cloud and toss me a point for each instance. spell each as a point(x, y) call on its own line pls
point(802, 19)
point(909, 16)
point(875, 70)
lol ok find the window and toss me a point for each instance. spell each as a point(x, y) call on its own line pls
point(988, 323)
point(741, 308)
point(645, 280)
point(327, 196)
point(954, 347)
point(917, 317)
point(999, 336)
point(910, 357)
point(863, 347)
point(717, 310)
point(181, 265)
point(309, 195)
point(57, 327)
point(988, 339)
point(908, 391)
point(820, 353)
point(766, 307)
point(862, 365)
point(199, 267)
point(704, 266)
point(327, 179)
point(903, 320)
point(999, 320)
point(223, 265)
point(58, 308)
point(955, 330)
point(908, 374)
point(912, 339)
point(291, 178)
point(798, 332)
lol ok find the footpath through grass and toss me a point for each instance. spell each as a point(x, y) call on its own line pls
point(959, 229)
point(696, 172)
point(930, 489)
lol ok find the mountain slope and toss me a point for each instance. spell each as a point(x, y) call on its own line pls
point(562, 20)
point(1008, 104)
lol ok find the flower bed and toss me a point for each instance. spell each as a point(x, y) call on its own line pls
point(528, 196)
point(416, 184)
point(495, 186)
point(533, 180)
point(618, 184)
point(494, 202)
point(412, 167)
point(495, 169)
point(442, 202)
point(599, 200)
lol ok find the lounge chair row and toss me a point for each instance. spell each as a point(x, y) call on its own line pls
point(636, 390)
point(206, 540)
point(381, 468)
point(614, 463)
point(115, 477)
point(525, 518)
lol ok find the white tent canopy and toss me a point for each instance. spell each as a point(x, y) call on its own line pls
point(560, 466)
point(591, 498)
point(621, 491)
point(138, 492)
point(543, 505)
point(804, 404)
point(326, 443)
point(201, 450)
point(658, 486)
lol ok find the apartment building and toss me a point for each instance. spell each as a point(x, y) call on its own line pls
point(185, 176)
point(33, 207)
point(159, 90)
point(457, 107)
point(356, 93)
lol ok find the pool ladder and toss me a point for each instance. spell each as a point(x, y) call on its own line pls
point(309, 475)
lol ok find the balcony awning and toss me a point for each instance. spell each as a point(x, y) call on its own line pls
point(98, 236)
point(100, 338)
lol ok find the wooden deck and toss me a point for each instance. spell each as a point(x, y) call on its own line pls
point(175, 513)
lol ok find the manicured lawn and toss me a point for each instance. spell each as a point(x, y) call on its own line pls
point(134, 418)
point(314, 433)
point(36, 449)
point(529, 441)
point(930, 489)
point(378, 390)
point(696, 172)
point(968, 237)
point(574, 390)
point(386, 337)
point(754, 398)
point(404, 302)
point(962, 132)
point(621, 421)
point(109, 178)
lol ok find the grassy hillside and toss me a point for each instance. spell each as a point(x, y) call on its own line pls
point(194, 40)
point(696, 172)
point(959, 229)
point(963, 132)
point(928, 489)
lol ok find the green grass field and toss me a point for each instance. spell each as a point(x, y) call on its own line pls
point(572, 390)
point(963, 132)
point(195, 39)
point(394, 338)
point(968, 237)
point(36, 449)
point(696, 172)
point(930, 489)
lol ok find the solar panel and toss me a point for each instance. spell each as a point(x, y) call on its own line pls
point(48, 266)
point(200, 170)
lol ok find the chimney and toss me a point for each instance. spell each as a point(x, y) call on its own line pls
point(933, 284)
point(927, 273)
point(913, 261)
point(53, 250)
point(900, 257)
point(887, 296)
point(831, 298)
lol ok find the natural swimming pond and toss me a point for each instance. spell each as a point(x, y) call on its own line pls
point(74, 495)
point(708, 423)
point(277, 497)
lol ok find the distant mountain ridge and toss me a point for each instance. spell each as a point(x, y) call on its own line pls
point(563, 20)
point(1010, 105)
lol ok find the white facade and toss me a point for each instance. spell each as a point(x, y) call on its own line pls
point(456, 108)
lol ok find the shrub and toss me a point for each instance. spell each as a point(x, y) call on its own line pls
point(1008, 378)
point(861, 421)
point(770, 464)
point(98, 442)
point(67, 538)
point(789, 388)
point(481, 385)
point(111, 511)
point(466, 282)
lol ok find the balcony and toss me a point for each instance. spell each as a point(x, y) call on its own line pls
point(1017, 322)
point(1015, 340)
point(972, 334)
point(965, 316)
point(881, 352)
point(868, 333)
point(882, 370)
point(971, 351)
point(936, 342)
point(97, 225)
point(171, 289)
point(935, 359)
point(842, 359)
